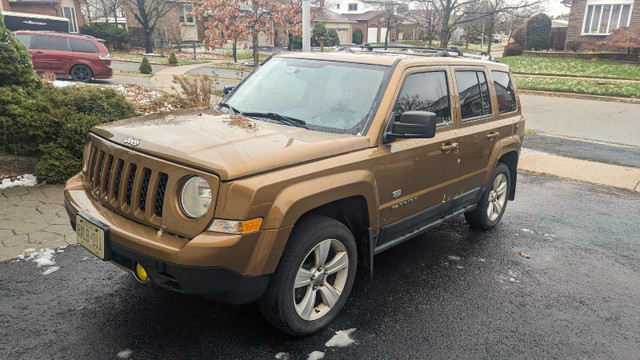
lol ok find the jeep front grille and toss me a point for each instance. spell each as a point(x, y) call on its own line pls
point(137, 186)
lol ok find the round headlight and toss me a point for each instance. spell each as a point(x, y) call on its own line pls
point(195, 197)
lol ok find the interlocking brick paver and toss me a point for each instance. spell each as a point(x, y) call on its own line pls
point(33, 217)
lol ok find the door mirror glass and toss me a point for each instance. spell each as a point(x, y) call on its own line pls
point(413, 124)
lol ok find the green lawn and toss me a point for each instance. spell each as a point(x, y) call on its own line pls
point(579, 86)
point(571, 67)
point(154, 60)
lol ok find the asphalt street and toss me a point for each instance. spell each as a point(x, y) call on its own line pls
point(451, 293)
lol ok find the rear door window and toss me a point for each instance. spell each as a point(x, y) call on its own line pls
point(475, 100)
point(505, 93)
point(25, 39)
point(80, 45)
point(427, 91)
point(51, 43)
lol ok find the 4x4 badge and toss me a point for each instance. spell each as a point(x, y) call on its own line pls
point(131, 142)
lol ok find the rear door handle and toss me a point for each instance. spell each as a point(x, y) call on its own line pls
point(492, 135)
point(38, 53)
point(447, 147)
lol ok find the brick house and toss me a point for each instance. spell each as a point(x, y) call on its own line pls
point(590, 21)
point(173, 28)
point(70, 9)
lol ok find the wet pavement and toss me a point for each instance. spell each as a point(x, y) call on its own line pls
point(451, 293)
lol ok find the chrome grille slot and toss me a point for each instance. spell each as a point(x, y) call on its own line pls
point(145, 188)
point(162, 187)
point(116, 191)
point(129, 191)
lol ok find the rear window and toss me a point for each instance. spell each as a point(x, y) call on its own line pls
point(51, 43)
point(25, 39)
point(504, 91)
point(475, 100)
point(80, 45)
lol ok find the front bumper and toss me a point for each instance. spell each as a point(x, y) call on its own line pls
point(230, 268)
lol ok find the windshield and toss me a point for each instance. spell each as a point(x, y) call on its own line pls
point(328, 96)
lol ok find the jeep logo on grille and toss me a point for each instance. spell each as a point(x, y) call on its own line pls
point(131, 142)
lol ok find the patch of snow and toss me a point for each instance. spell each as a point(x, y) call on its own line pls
point(454, 258)
point(20, 180)
point(42, 257)
point(481, 259)
point(459, 267)
point(61, 84)
point(125, 354)
point(85, 258)
point(528, 231)
point(512, 279)
point(29, 250)
point(60, 251)
point(341, 338)
point(316, 355)
point(50, 270)
point(283, 356)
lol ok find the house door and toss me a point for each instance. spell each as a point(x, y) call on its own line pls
point(372, 35)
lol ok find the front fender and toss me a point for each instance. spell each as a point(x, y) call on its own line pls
point(296, 200)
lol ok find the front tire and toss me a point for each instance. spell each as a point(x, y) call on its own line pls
point(314, 277)
point(493, 202)
point(81, 73)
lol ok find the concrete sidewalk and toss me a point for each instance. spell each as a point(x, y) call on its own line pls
point(163, 79)
point(622, 177)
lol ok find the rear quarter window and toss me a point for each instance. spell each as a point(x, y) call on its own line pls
point(505, 93)
point(25, 39)
point(51, 43)
point(80, 45)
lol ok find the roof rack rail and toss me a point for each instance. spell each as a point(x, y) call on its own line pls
point(432, 51)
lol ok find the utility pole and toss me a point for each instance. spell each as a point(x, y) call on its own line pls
point(306, 25)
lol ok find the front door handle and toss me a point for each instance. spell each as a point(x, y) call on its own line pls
point(492, 135)
point(448, 146)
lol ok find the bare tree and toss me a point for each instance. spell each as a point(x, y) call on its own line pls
point(394, 12)
point(427, 17)
point(147, 13)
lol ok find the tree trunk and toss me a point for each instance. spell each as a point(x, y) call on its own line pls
point(445, 32)
point(254, 38)
point(491, 26)
point(290, 45)
point(235, 52)
point(148, 42)
point(386, 38)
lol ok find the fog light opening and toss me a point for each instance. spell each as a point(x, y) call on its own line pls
point(140, 273)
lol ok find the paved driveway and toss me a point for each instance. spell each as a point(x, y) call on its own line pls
point(450, 294)
point(606, 121)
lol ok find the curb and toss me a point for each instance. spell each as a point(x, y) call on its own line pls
point(580, 96)
point(621, 177)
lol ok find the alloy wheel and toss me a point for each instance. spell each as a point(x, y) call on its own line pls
point(497, 197)
point(320, 279)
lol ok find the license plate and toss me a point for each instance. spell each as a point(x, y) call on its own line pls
point(92, 235)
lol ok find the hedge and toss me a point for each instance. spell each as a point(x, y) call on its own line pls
point(538, 35)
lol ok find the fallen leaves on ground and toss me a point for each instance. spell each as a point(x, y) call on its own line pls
point(147, 100)
point(524, 255)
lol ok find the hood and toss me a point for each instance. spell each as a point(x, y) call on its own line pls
point(231, 146)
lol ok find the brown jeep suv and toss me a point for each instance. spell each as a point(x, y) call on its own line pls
point(306, 170)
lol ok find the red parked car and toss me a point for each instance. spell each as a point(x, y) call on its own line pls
point(80, 57)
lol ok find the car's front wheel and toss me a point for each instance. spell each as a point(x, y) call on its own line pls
point(493, 202)
point(314, 277)
point(81, 73)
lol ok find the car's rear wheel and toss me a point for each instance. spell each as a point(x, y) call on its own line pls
point(314, 278)
point(81, 73)
point(493, 202)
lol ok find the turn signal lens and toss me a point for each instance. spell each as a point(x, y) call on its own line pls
point(236, 227)
point(141, 273)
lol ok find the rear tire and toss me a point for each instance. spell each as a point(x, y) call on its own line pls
point(81, 73)
point(306, 294)
point(493, 202)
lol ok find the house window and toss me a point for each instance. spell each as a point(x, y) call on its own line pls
point(183, 10)
point(353, 7)
point(337, 6)
point(603, 19)
point(70, 13)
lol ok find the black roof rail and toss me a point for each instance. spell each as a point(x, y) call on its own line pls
point(450, 52)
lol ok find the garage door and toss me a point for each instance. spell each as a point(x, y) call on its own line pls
point(343, 35)
point(372, 35)
point(383, 33)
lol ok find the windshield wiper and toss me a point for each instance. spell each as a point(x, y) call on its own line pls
point(278, 117)
point(235, 111)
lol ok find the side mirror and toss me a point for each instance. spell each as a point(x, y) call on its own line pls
point(227, 89)
point(413, 124)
